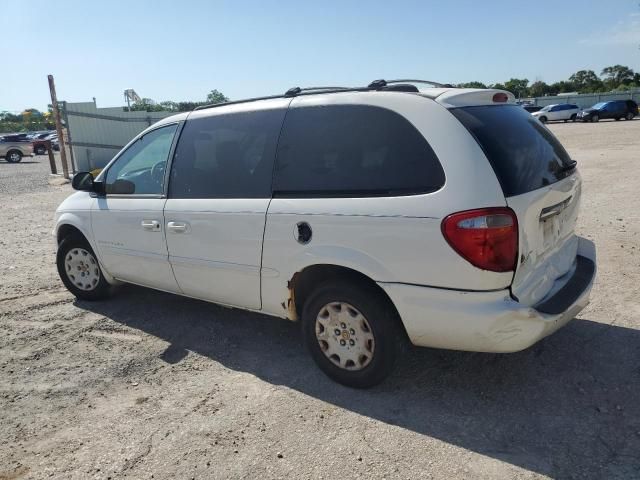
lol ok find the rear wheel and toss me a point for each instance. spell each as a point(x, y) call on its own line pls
point(629, 116)
point(14, 156)
point(351, 333)
point(595, 118)
point(41, 150)
point(573, 117)
point(80, 270)
point(618, 119)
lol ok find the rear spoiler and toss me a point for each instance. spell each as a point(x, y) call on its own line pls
point(466, 97)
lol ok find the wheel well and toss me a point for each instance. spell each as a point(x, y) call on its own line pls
point(303, 283)
point(66, 231)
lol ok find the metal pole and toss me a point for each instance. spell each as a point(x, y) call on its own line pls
point(56, 113)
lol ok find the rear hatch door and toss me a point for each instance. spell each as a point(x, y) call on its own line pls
point(540, 183)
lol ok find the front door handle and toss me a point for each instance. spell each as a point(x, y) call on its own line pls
point(177, 227)
point(151, 225)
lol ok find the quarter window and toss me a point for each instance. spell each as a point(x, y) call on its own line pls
point(140, 168)
point(226, 156)
point(353, 150)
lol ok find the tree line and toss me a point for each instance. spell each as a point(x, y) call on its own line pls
point(32, 119)
point(613, 78)
point(148, 105)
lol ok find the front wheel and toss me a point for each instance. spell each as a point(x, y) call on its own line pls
point(595, 118)
point(629, 116)
point(351, 333)
point(14, 156)
point(573, 117)
point(80, 270)
point(543, 119)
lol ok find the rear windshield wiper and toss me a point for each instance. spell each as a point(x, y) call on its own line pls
point(569, 166)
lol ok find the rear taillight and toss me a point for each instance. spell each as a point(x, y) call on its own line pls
point(486, 237)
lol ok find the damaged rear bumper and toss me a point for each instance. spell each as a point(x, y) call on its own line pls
point(492, 321)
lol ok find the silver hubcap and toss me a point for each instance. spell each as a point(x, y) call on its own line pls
point(82, 269)
point(345, 336)
point(14, 157)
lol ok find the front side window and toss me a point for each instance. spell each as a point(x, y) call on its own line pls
point(353, 150)
point(226, 156)
point(140, 168)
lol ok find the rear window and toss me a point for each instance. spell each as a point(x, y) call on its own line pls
point(523, 153)
point(353, 150)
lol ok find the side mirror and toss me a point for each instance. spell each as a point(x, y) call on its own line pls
point(83, 181)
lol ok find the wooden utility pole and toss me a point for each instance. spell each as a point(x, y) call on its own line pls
point(56, 114)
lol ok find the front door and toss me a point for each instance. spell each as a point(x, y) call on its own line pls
point(128, 222)
point(219, 192)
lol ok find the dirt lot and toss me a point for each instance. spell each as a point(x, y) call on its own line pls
point(151, 385)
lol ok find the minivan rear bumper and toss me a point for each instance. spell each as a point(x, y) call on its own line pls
point(492, 321)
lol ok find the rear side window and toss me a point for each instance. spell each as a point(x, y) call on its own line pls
point(523, 153)
point(226, 156)
point(353, 150)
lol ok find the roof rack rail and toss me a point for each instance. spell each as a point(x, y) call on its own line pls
point(292, 92)
point(377, 84)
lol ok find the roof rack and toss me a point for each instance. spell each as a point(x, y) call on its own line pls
point(377, 84)
point(388, 85)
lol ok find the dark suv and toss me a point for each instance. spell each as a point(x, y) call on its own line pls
point(616, 109)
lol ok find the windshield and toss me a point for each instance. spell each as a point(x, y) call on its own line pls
point(599, 106)
point(547, 108)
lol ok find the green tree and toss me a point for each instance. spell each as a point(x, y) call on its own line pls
point(517, 86)
point(561, 87)
point(539, 89)
point(586, 81)
point(617, 75)
point(215, 96)
point(473, 84)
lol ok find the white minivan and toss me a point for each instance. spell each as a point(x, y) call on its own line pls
point(372, 215)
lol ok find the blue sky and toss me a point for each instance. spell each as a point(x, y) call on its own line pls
point(179, 50)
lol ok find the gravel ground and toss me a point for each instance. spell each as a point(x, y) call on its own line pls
point(152, 385)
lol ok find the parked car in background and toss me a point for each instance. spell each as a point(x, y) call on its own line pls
point(615, 109)
point(40, 142)
point(13, 151)
point(532, 108)
point(16, 137)
point(561, 111)
point(352, 211)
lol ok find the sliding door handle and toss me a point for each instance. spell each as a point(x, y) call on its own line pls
point(151, 225)
point(177, 227)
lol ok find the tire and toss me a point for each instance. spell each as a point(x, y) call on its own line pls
point(629, 116)
point(566, 121)
point(14, 156)
point(573, 117)
point(375, 330)
point(617, 119)
point(543, 119)
point(76, 257)
point(40, 150)
point(595, 118)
